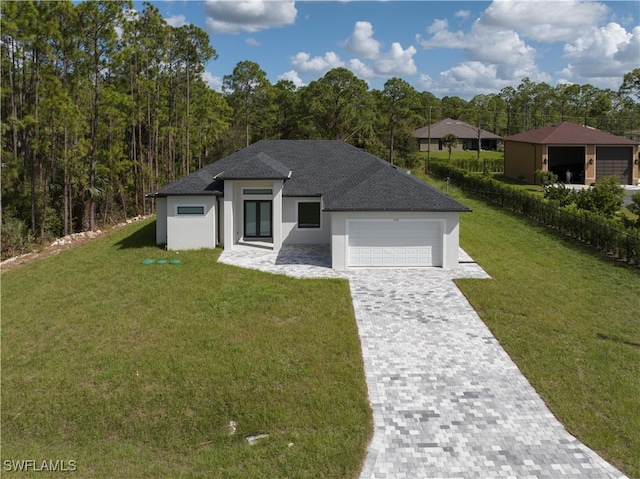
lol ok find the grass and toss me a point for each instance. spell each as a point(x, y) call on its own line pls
point(463, 155)
point(537, 189)
point(214, 343)
point(137, 370)
point(569, 318)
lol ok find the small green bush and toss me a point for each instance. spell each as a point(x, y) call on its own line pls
point(560, 195)
point(16, 238)
point(546, 178)
point(605, 198)
point(411, 161)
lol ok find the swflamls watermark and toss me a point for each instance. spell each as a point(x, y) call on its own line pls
point(34, 465)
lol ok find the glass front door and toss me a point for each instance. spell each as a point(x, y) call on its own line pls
point(257, 219)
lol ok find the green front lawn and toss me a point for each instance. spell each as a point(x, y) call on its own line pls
point(136, 370)
point(213, 343)
point(569, 318)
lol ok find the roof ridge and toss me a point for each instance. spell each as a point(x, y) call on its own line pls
point(271, 168)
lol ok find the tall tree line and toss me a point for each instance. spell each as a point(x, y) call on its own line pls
point(341, 106)
point(102, 105)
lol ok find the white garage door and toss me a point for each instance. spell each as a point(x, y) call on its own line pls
point(394, 243)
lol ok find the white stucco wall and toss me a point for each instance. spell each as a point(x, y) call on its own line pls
point(161, 221)
point(339, 240)
point(233, 209)
point(191, 231)
point(290, 232)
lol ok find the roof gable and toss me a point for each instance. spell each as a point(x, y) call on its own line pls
point(389, 188)
point(567, 133)
point(262, 166)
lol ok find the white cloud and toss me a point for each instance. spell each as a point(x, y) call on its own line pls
point(176, 20)
point(605, 53)
point(438, 25)
point(547, 21)
point(504, 45)
point(469, 79)
point(252, 42)
point(302, 62)
point(214, 82)
point(462, 14)
point(629, 52)
point(361, 42)
point(250, 15)
point(497, 47)
point(371, 62)
point(396, 61)
point(293, 77)
point(504, 49)
point(360, 69)
point(425, 82)
point(442, 37)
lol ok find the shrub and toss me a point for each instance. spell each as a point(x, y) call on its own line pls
point(16, 238)
point(411, 161)
point(634, 207)
point(546, 178)
point(559, 195)
point(602, 233)
point(605, 198)
point(485, 165)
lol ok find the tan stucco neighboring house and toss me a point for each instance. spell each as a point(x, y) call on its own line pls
point(577, 154)
point(467, 136)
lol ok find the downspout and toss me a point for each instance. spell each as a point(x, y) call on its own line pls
point(217, 220)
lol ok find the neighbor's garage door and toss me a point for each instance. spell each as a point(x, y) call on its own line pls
point(394, 243)
point(614, 160)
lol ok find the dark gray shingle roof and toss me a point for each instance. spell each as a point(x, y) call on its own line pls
point(262, 167)
point(348, 178)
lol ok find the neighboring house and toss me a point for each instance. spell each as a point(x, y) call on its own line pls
point(278, 192)
point(587, 154)
point(467, 136)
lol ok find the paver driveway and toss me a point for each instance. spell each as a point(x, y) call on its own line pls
point(447, 400)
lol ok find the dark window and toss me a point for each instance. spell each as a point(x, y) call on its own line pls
point(190, 210)
point(308, 214)
point(257, 191)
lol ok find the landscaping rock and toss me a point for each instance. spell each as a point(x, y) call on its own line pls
point(253, 439)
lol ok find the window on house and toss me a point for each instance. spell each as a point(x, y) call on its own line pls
point(257, 191)
point(190, 210)
point(309, 214)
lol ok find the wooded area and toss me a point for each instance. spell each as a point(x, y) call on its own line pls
point(101, 105)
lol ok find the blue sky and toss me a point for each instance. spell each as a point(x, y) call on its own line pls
point(450, 48)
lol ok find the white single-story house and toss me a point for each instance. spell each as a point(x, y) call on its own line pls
point(279, 192)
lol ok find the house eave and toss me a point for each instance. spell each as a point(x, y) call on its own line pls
point(399, 210)
point(201, 193)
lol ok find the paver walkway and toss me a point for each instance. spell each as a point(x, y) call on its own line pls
point(447, 400)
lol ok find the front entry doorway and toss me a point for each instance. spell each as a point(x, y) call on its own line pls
point(257, 219)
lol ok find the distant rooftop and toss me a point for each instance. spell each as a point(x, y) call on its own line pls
point(567, 133)
point(456, 127)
